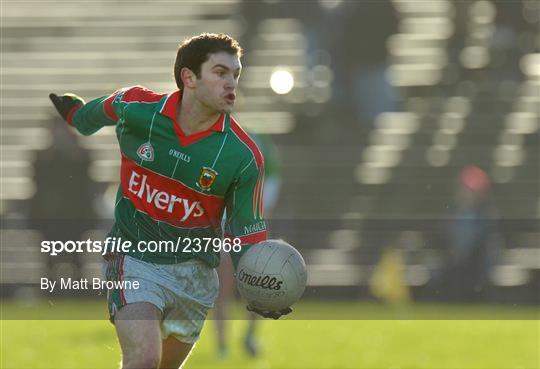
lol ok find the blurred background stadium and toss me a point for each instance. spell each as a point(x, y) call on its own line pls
point(408, 133)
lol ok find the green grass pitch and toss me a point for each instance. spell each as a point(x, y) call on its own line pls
point(417, 336)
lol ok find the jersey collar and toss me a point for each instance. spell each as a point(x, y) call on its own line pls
point(170, 108)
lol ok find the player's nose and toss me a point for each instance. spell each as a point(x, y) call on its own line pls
point(231, 84)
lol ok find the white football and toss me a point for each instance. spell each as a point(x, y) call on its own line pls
point(271, 275)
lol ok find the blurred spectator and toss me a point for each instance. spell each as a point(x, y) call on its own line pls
point(309, 13)
point(363, 58)
point(473, 238)
point(60, 208)
point(510, 25)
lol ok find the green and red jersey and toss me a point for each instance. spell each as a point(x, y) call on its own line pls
point(173, 185)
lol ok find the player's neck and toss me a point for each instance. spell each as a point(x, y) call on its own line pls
point(193, 117)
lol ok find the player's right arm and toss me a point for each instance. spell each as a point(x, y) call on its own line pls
point(90, 117)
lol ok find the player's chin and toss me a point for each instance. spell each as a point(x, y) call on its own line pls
point(227, 107)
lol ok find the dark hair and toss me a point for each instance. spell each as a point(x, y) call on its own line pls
point(194, 51)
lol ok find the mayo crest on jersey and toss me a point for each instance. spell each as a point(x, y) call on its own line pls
point(173, 185)
point(207, 178)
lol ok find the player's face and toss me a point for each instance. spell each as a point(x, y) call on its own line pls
point(216, 89)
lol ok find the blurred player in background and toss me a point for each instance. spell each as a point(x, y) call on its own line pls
point(184, 161)
point(474, 238)
point(272, 185)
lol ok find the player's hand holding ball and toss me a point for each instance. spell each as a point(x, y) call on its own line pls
point(271, 276)
point(270, 314)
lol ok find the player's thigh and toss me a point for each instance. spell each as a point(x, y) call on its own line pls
point(174, 353)
point(138, 329)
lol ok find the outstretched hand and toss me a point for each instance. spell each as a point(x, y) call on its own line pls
point(66, 104)
point(270, 314)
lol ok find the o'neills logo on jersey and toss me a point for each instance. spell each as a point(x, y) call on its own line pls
point(168, 200)
point(266, 282)
point(207, 178)
point(146, 152)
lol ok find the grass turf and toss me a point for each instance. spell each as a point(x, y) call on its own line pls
point(313, 342)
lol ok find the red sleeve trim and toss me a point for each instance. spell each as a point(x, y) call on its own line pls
point(261, 197)
point(249, 239)
point(71, 113)
point(258, 195)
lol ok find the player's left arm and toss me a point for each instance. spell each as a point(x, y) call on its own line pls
point(245, 219)
point(245, 213)
point(90, 117)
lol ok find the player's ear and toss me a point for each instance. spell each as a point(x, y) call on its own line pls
point(188, 77)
